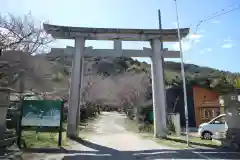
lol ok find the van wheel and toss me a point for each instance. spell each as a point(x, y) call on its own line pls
point(207, 135)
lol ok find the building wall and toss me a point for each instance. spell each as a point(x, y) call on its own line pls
point(199, 96)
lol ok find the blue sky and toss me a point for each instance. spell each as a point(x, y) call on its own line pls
point(215, 44)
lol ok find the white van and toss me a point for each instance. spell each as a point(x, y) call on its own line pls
point(217, 124)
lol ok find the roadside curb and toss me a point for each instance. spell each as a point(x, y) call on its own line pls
point(192, 143)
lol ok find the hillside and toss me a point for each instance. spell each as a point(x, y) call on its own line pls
point(221, 81)
point(38, 70)
point(50, 71)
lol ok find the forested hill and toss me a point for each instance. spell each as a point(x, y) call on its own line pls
point(220, 81)
point(54, 70)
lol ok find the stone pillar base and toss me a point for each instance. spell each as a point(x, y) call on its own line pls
point(233, 139)
point(72, 131)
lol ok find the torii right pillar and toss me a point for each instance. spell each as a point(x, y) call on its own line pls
point(158, 90)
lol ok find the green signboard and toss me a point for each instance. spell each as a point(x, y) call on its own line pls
point(45, 113)
point(151, 116)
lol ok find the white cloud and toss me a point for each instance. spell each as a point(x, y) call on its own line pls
point(185, 46)
point(206, 50)
point(188, 42)
point(227, 45)
point(194, 36)
point(215, 21)
point(201, 31)
point(228, 39)
point(209, 49)
point(197, 40)
point(202, 52)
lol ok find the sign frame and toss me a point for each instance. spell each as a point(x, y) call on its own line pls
point(58, 129)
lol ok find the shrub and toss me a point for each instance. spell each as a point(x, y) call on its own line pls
point(170, 126)
point(66, 71)
point(146, 128)
point(57, 77)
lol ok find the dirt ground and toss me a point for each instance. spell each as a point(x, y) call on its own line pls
point(106, 139)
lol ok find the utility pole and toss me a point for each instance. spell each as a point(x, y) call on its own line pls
point(162, 58)
point(160, 24)
point(160, 27)
point(183, 74)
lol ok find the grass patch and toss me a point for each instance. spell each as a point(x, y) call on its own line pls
point(130, 125)
point(196, 141)
point(42, 139)
point(46, 139)
point(171, 140)
point(50, 139)
point(165, 142)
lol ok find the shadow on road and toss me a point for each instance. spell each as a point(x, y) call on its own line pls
point(105, 153)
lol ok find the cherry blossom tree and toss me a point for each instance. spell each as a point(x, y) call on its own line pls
point(133, 90)
point(22, 34)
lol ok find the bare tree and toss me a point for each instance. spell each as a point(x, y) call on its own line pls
point(22, 34)
point(103, 90)
point(89, 83)
point(19, 38)
point(133, 89)
point(123, 90)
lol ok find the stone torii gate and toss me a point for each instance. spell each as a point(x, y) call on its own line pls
point(80, 35)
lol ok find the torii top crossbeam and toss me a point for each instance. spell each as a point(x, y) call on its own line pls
point(67, 32)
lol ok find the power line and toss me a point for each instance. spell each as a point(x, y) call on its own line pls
point(217, 14)
point(220, 11)
point(214, 15)
point(223, 13)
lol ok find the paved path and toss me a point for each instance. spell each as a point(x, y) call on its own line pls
point(109, 140)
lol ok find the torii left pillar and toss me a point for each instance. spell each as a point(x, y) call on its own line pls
point(75, 88)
